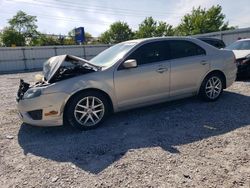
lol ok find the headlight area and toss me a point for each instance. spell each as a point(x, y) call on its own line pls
point(32, 93)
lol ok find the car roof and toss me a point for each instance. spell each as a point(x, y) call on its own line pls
point(208, 38)
point(157, 39)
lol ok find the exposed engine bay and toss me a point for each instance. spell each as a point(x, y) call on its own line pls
point(58, 68)
point(63, 67)
point(65, 72)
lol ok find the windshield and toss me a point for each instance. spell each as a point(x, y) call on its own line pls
point(240, 45)
point(113, 54)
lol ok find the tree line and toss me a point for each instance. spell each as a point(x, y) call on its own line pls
point(22, 29)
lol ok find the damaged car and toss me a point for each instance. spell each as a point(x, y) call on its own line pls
point(241, 49)
point(128, 75)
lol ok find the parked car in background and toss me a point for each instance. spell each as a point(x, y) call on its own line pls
point(213, 41)
point(127, 75)
point(241, 49)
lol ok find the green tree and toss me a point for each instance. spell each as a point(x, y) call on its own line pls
point(118, 32)
point(11, 37)
point(70, 39)
point(105, 38)
point(1, 40)
point(151, 28)
point(24, 24)
point(46, 40)
point(163, 29)
point(203, 21)
point(88, 38)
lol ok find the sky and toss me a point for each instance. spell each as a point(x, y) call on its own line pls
point(61, 16)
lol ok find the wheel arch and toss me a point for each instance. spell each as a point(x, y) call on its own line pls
point(216, 72)
point(87, 90)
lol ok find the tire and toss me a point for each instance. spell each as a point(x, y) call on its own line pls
point(211, 87)
point(87, 110)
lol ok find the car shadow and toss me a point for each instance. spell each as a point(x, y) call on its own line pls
point(165, 125)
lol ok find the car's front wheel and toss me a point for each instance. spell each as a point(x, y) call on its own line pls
point(211, 87)
point(87, 110)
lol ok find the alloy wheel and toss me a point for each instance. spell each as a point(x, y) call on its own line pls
point(89, 111)
point(213, 87)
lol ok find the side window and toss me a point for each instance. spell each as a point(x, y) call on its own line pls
point(181, 48)
point(151, 52)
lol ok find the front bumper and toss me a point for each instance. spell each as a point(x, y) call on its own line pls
point(51, 105)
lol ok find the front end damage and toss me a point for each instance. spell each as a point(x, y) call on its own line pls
point(243, 67)
point(23, 87)
point(36, 106)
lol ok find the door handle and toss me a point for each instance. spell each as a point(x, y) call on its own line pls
point(162, 70)
point(203, 62)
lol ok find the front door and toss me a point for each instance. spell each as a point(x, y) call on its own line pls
point(149, 82)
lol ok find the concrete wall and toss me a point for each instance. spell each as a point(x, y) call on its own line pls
point(32, 58)
point(228, 36)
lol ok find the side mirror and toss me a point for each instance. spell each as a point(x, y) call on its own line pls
point(131, 63)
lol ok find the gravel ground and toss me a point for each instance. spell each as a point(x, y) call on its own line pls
point(186, 143)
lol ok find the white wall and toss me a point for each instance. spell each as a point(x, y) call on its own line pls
point(228, 36)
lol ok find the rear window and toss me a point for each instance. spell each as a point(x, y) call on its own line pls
point(180, 49)
point(215, 43)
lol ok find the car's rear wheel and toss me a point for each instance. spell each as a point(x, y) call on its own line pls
point(87, 110)
point(211, 87)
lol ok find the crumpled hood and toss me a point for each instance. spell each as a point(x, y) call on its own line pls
point(52, 65)
point(241, 53)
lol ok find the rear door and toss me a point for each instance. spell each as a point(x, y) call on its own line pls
point(189, 64)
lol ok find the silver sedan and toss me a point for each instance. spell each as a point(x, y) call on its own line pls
point(127, 75)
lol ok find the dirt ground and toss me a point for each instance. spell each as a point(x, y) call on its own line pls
point(186, 143)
